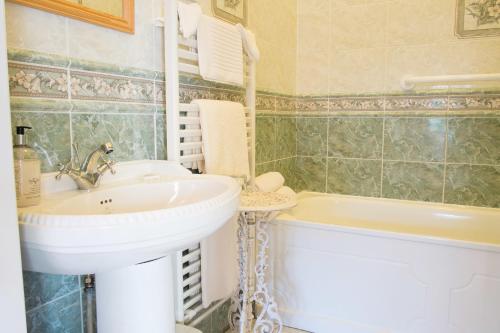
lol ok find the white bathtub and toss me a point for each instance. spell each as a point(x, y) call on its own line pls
point(345, 264)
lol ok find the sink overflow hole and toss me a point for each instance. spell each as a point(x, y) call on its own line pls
point(106, 201)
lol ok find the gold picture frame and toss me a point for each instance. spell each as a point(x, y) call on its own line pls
point(476, 18)
point(233, 11)
point(124, 23)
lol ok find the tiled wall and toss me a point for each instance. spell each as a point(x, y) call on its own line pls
point(367, 46)
point(67, 101)
point(440, 148)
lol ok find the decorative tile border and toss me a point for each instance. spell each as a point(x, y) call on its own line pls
point(356, 104)
point(87, 85)
point(37, 81)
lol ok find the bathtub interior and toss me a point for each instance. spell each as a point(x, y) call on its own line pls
point(463, 223)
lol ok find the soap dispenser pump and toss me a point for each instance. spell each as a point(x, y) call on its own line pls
point(27, 170)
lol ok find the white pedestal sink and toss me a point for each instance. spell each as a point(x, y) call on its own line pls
point(124, 232)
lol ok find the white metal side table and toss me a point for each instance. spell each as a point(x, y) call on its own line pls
point(256, 210)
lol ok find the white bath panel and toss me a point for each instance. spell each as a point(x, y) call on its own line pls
point(328, 281)
point(475, 308)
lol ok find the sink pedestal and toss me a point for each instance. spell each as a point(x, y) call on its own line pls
point(136, 298)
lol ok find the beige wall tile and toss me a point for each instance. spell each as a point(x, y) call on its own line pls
point(312, 47)
point(34, 29)
point(357, 71)
point(358, 26)
point(420, 22)
point(92, 42)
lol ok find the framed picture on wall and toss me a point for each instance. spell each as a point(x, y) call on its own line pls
point(233, 11)
point(477, 18)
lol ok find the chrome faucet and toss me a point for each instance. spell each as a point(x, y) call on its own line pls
point(88, 175)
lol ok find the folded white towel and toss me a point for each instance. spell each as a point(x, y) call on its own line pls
point(269, 182)
point(220, 51)
point(219, 263)
point(224, 139)
point(189, 16)
point(249, 42)
point(287, 191)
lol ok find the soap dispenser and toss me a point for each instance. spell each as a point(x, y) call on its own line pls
point(27, 170)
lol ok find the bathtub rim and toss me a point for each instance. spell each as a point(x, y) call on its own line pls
point(286, 218)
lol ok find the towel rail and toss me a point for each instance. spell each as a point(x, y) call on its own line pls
point(184, 144)
point(409, 82)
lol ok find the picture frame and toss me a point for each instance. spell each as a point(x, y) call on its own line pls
point(75, 10)
point(233, 11)
point(477, 18)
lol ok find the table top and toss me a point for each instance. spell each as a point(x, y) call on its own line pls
point(254, 201)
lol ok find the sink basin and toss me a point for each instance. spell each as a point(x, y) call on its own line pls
point(146, 211)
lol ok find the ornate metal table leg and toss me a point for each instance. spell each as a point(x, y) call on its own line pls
point(268, 320)
point(240, 312)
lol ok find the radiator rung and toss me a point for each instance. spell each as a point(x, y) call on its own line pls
point(192, 255)
point(189, 133)
point(192, 268)
point(193, 278)
point(188, 68)
point(193, 290)
point(190, 145)
point(192, 302)
point(191, 158)
point(188, 55)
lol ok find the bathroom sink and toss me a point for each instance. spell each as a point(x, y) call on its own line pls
point(147, 210)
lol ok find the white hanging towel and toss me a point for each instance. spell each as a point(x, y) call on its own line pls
point(219, 263)
point(224, 138)
point(220, 51)
point(249, 42)
point(224, 145)
point(189, 16)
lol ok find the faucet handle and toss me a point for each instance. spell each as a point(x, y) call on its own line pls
point(63, 169)
point(108, 165)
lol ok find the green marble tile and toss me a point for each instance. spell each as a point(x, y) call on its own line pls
point(40, 288)
point(312, 136)
point(205, 326)
point(50, 136)
point(355, 137)
point(89, 106)
point(287, 168)
point(415, 139)
point(286, 137)
point(39, 104)
point(474, 185)
point(101, 67)
point(161, 137)
point(132, 135)
point(310, 174)
point(220, 321)
point(354, 176)
point(474, 140)
point(37, 57)
point(264, 167)
point(60, 316)
point(265, 133)
point(413, 181)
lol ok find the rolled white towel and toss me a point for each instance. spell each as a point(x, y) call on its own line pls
point(287, 191)
point(269, 182)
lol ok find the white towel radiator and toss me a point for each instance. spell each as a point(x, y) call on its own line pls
point(184, 145)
